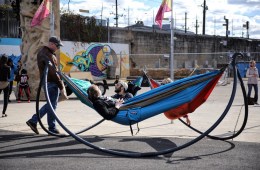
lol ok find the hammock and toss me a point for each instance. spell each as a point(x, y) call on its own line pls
point(177, 85)
point(186, 108)
point(188, 93)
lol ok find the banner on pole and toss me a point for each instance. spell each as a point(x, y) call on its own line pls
point(42, 12)
point(165, 7)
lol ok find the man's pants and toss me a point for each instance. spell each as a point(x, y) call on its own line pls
point(54, 92)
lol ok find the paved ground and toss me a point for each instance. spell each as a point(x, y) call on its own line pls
point(21, 149)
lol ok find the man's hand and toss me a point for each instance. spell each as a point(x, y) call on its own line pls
point(63, 95)
point(119, 103)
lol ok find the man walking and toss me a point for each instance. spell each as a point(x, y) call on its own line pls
point(47, 56)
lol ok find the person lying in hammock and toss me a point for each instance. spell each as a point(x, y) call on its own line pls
point(107, 107)
point(166, 81)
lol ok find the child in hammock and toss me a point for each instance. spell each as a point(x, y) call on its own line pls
point(107, 107)
point(23, 85)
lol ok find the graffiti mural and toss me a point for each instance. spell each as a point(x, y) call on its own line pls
point(101, 60)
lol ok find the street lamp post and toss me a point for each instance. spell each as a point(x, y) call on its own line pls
point(227, 32)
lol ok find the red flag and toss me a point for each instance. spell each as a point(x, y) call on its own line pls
point(165, 7)
point(42, 12)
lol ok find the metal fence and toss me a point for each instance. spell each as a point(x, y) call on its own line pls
point(186, 64)
point(186, 60)
point(9, 25)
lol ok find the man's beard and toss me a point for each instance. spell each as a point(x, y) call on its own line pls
point(117, 90)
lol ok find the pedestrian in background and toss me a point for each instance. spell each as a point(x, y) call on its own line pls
point(4, 83)
point(12, 75)
point(22, 80)
point(252, 75)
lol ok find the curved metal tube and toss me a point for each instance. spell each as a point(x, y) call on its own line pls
point(44, 77)
point(147, 154)
point(244, 121)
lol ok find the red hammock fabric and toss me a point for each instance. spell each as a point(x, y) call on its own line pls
point(191, 106)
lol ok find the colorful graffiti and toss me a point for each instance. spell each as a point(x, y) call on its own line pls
point(100, 59)
point(96, 59)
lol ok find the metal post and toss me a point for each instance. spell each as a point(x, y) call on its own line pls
point(204, 17)
point(120, 73)
point(185, 26)
point(116, 15)
point(51, 20)
point(69, 6)
point(172, 46)
point(196, 26)
point(108, 33)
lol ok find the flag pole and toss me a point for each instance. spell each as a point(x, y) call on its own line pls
point(51, 20)
point(172, 45)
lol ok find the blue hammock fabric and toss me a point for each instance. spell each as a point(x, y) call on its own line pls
point(79, 88)
point(158, 100)
point(82, 84)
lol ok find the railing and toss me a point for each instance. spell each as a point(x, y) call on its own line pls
point(9, 25)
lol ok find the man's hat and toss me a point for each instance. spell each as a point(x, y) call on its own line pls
point(55, 40)
point(124, 84)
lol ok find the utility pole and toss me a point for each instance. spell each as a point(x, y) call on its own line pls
point(247, 28)
point(69, 6)
point(128, 18)
point(116, 18)
point(205, 8)
point(101, 15)
point(108, 32)
point(226, 24)
point(185, 22)
point(196, 26)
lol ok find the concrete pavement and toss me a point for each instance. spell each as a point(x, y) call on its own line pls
point(77, 116)
point(20, 148)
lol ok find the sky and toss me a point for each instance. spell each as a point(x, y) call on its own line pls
point(238, 12)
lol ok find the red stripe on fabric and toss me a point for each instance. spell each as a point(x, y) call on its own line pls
point(190, 107)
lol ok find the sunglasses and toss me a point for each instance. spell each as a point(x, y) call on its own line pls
point(57, 45)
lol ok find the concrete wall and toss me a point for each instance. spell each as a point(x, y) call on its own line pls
point(152, 49)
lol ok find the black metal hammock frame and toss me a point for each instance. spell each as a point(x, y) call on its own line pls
point(155, 153)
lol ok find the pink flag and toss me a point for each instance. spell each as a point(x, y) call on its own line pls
point(42, 12)
point(165, 7)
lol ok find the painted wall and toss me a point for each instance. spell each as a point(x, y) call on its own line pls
point(10, 46)
point(101, 59)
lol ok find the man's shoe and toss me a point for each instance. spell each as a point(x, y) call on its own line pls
point(56, 131)
point(256, 103)
point(33, 126)
point(9, 101)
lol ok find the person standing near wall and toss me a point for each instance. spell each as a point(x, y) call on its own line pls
point(22, 80)
point(11, 79)
point(55, 86)
point(4, 83)
point(252, 75)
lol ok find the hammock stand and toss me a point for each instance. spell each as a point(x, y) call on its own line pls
point(38, 113)
point(147, 154)
point(151, 81)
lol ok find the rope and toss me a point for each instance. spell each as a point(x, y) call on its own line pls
point(237, 119)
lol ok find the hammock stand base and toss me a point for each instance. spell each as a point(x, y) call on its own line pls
point(162, 152)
